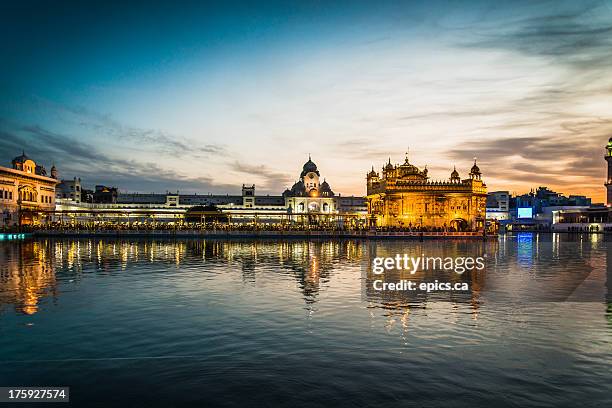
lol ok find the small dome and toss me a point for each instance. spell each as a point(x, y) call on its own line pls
point(455, 174)
point(326, 190)
point(475, 169)
point(21, 159)
point(297, 189)
point(409, 168)
point(389, 166)
point(309, 167)
point(372, 173)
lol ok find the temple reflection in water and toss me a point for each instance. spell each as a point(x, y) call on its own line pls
point(538, 266)
point(29, 269)
point(26, 275)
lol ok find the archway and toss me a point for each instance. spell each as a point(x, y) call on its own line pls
point(459, 224)
point(27, 193)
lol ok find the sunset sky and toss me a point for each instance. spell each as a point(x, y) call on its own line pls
point(156, 96)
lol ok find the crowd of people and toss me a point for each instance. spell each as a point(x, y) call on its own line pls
point(183, 226)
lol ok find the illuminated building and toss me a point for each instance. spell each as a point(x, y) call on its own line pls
point(25, 189)
point(406, 197)
point(594, 218)
point(498, 205)
point(535, 210)
point(308, 200)
point(69, 190)
point(308, 194)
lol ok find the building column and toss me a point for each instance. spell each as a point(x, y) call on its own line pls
point(609, 180)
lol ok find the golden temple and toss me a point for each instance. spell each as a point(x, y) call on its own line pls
point(405, 197)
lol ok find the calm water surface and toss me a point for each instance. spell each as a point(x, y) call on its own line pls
point(128, 322)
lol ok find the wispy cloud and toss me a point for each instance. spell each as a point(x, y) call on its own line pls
point(104, 126)
point(364, 149)
point(576, 36)
point(76, 158)
point(553, 134)
point(565, 162)
point(269, 179)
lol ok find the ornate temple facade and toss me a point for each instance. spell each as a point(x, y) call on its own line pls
point(24, 189)
point(404, 196)
point(310, 200)
point(309, 194)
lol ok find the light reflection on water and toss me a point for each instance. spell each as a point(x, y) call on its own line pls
point(290, 323)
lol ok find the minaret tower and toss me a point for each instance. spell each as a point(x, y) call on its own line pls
point(609, 180)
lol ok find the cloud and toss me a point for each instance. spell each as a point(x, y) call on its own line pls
point(579, 36)
point(271, 179)
point(564, 161)
point(572, 41)
point(462, 113)
point(102, 125)
point(363, 149)
point(75, 158)
point(554, 134)
point(523, 86)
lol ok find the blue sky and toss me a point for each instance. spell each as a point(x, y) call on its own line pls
point(156, 96)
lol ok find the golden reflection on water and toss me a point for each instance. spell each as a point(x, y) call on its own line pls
point(27, 268)
point(26, 275)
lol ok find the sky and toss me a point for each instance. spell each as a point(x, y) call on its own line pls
point(203, 97)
